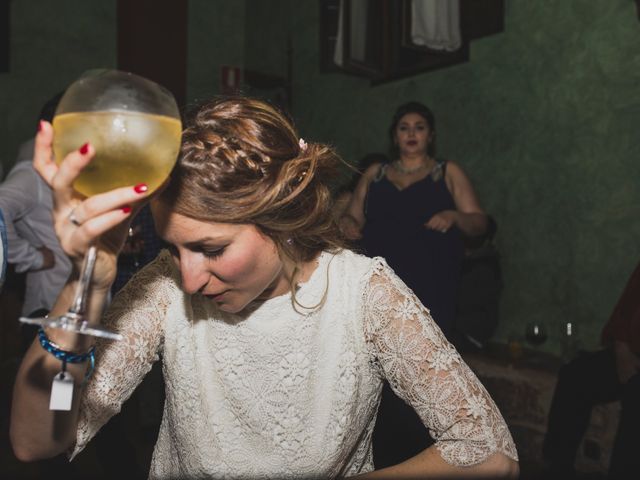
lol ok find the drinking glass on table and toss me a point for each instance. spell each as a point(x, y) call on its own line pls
point(134, 126)
point(536, 333)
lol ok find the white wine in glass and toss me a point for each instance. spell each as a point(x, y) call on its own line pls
point(130, 146)
point(134, 126)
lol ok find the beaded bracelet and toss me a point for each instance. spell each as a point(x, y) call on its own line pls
point(68, 357)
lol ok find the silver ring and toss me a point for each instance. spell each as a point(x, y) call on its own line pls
point(73, 219)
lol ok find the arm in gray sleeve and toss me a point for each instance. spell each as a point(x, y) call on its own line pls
point(19, 194)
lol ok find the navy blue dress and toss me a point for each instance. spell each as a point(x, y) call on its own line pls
point(428, 261)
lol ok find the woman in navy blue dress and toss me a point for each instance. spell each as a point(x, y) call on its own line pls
point(413, 212)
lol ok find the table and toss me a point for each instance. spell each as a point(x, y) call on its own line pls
point(522, 382)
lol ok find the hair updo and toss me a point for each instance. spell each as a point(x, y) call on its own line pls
point(241, 162)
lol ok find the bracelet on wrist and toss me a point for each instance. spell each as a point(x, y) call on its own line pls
point(68, 357)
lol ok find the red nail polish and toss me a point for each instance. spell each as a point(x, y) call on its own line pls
point(40, 125)
point(141, 188)
point(84, 148)
point(126, 209)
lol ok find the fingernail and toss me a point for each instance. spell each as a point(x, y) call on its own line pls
point(84, 148)
point(126, 209)
point(40, 125)
point(141, 188)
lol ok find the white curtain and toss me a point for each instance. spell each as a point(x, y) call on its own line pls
point(436, 24)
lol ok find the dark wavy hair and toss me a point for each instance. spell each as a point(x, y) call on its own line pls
point(424, 112)
point(241, 161)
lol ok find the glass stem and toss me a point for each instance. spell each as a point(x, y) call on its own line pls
point(80, 301)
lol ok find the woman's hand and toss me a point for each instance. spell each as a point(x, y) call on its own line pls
point(79, 222)
point(442, 221)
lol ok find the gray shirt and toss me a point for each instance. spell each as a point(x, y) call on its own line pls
point(26, 203)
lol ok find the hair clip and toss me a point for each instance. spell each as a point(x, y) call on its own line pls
point(302, 144)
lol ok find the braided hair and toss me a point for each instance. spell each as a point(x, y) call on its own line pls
point(241, 161)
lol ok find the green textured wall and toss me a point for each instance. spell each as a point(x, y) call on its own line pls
point(52, 43)
point(268, 25)
point(544, 118)
point(216, 38)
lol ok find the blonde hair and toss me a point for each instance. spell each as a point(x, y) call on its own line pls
point(241, 161)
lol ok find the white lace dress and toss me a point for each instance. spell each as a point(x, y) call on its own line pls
point(280, 393)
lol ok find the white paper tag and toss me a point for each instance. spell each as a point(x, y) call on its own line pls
point(61, 392)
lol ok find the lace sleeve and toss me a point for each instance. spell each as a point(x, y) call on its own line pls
point(137, 313)
point(426, 371)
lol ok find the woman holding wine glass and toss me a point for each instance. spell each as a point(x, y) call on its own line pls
point(274, 338)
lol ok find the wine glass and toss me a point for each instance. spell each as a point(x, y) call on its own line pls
point(134, 126)
point(535, 333)
point(569, 340)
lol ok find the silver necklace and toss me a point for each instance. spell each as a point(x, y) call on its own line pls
point(408, 171)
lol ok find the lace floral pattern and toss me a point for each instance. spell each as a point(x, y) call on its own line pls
point(137, 314)
point(280, 393)
point(426, 371)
